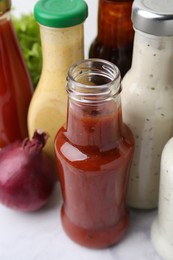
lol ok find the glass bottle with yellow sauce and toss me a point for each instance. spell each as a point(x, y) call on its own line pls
point(62, 38)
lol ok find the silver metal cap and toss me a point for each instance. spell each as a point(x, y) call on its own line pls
point(153, 16)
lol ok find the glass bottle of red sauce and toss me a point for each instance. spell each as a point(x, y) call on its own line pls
point(114, 41)
point(94, 152)
point(15, 83)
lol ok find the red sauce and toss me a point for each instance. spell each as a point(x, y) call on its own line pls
point(15, 87)
point(94, 154)
point(114, 41)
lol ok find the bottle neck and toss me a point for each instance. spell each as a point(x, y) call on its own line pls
point(94, 108)
point(61, 47)
point(5, 17)
point(8, 36)
point(5, 6)
point(152, 57)
point(95, 126)
point(114, 23)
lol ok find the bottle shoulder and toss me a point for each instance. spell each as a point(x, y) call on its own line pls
point(88, 154)
point(120, 55)
point(136, 80)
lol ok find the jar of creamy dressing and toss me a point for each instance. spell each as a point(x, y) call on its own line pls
point(162, 228)
point(62, 38)
point(147, 97)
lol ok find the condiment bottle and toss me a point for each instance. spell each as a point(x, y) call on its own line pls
point(62, 39)
point(147, 97)
point(114, 40)
point(162, 228)
point(15, 83)
point(94, 162)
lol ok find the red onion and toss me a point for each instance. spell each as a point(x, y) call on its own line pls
point(27, 174)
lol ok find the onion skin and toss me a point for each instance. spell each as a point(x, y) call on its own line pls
point(27, 174)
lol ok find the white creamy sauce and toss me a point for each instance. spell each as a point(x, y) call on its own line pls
point(162, 228)
point(147, 105)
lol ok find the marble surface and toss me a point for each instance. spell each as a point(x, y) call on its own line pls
point(40, 236)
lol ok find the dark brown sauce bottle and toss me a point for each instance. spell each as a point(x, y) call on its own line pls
point(114, 41)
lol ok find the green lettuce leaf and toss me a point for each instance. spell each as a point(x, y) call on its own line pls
point(28, 33)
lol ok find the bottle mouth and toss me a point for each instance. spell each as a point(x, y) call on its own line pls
point(93, 80)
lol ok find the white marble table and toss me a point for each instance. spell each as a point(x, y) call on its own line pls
point(40, 236)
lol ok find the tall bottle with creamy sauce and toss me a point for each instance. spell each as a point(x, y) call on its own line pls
point(162, 228)
point(147, 97)
point(62, 38)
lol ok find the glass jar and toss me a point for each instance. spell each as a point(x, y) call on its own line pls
point(114, 41)
point(62, 39)
point(15, 83)
point(147, 97)
point(162, 228)
point(94, 151)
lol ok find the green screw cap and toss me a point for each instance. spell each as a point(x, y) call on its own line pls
point(60, 13)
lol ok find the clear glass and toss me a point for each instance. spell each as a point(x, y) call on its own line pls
point(147, 101)
point(94, 151)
